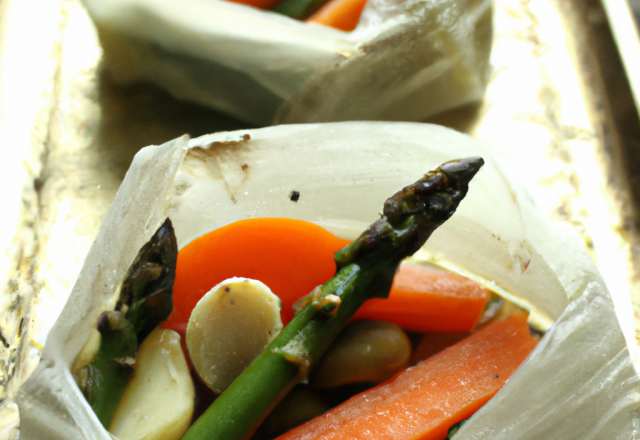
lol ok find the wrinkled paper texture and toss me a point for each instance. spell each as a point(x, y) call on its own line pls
point(579, 383)
point(405, 61)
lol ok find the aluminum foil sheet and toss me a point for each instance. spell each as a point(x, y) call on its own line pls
point(68, 135)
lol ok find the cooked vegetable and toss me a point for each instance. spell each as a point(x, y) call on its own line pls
point(428, 300)
point(365, 351)
point(293, 256)
point(424, 401)
point(290, 256)
point(158, 402)
point(300, 405)
point(339, 14)
point(365, 269)
point(261, 4)
point(585, 338)
point(88, 352)
point(434, 343)
point(229, 327)
point(299, 9)
point(145, 301)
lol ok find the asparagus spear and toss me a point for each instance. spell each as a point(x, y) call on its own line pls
point(365, 270)
point(145, 301)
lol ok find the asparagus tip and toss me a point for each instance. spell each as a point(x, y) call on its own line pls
point(462, 170)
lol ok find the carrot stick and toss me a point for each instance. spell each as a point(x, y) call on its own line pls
point(339, 14)
point(427, 300)
point(424, 401)
point(260, 4)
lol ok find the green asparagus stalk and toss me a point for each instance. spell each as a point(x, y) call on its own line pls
point(365, 270)
point(145, 301)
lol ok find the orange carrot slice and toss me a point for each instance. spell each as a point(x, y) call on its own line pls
point(293, 256)
point(261, 4)
point(424, 401)
point(290, 256)
point(427, 300)
point(339, 14)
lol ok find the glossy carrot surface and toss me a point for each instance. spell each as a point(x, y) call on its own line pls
point(290, 256)
point(339, 14)
point(428, 300)
point(424, 401)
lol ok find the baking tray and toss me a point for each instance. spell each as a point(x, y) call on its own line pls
point(624, 17)
point(559, 108)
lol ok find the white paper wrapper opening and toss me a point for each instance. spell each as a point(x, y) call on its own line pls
point(406, 60)
point(579, 383)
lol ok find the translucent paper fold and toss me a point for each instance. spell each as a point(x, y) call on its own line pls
point(406, 60)
point(578, 384)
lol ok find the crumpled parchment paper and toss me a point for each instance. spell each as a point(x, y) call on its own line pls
point(406, 60)
point(579, 383)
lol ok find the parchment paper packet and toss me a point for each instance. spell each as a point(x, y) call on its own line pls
point(406, 60)
point(579, 383)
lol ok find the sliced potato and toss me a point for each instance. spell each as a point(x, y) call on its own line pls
point(229, 328)
point(158, 402)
